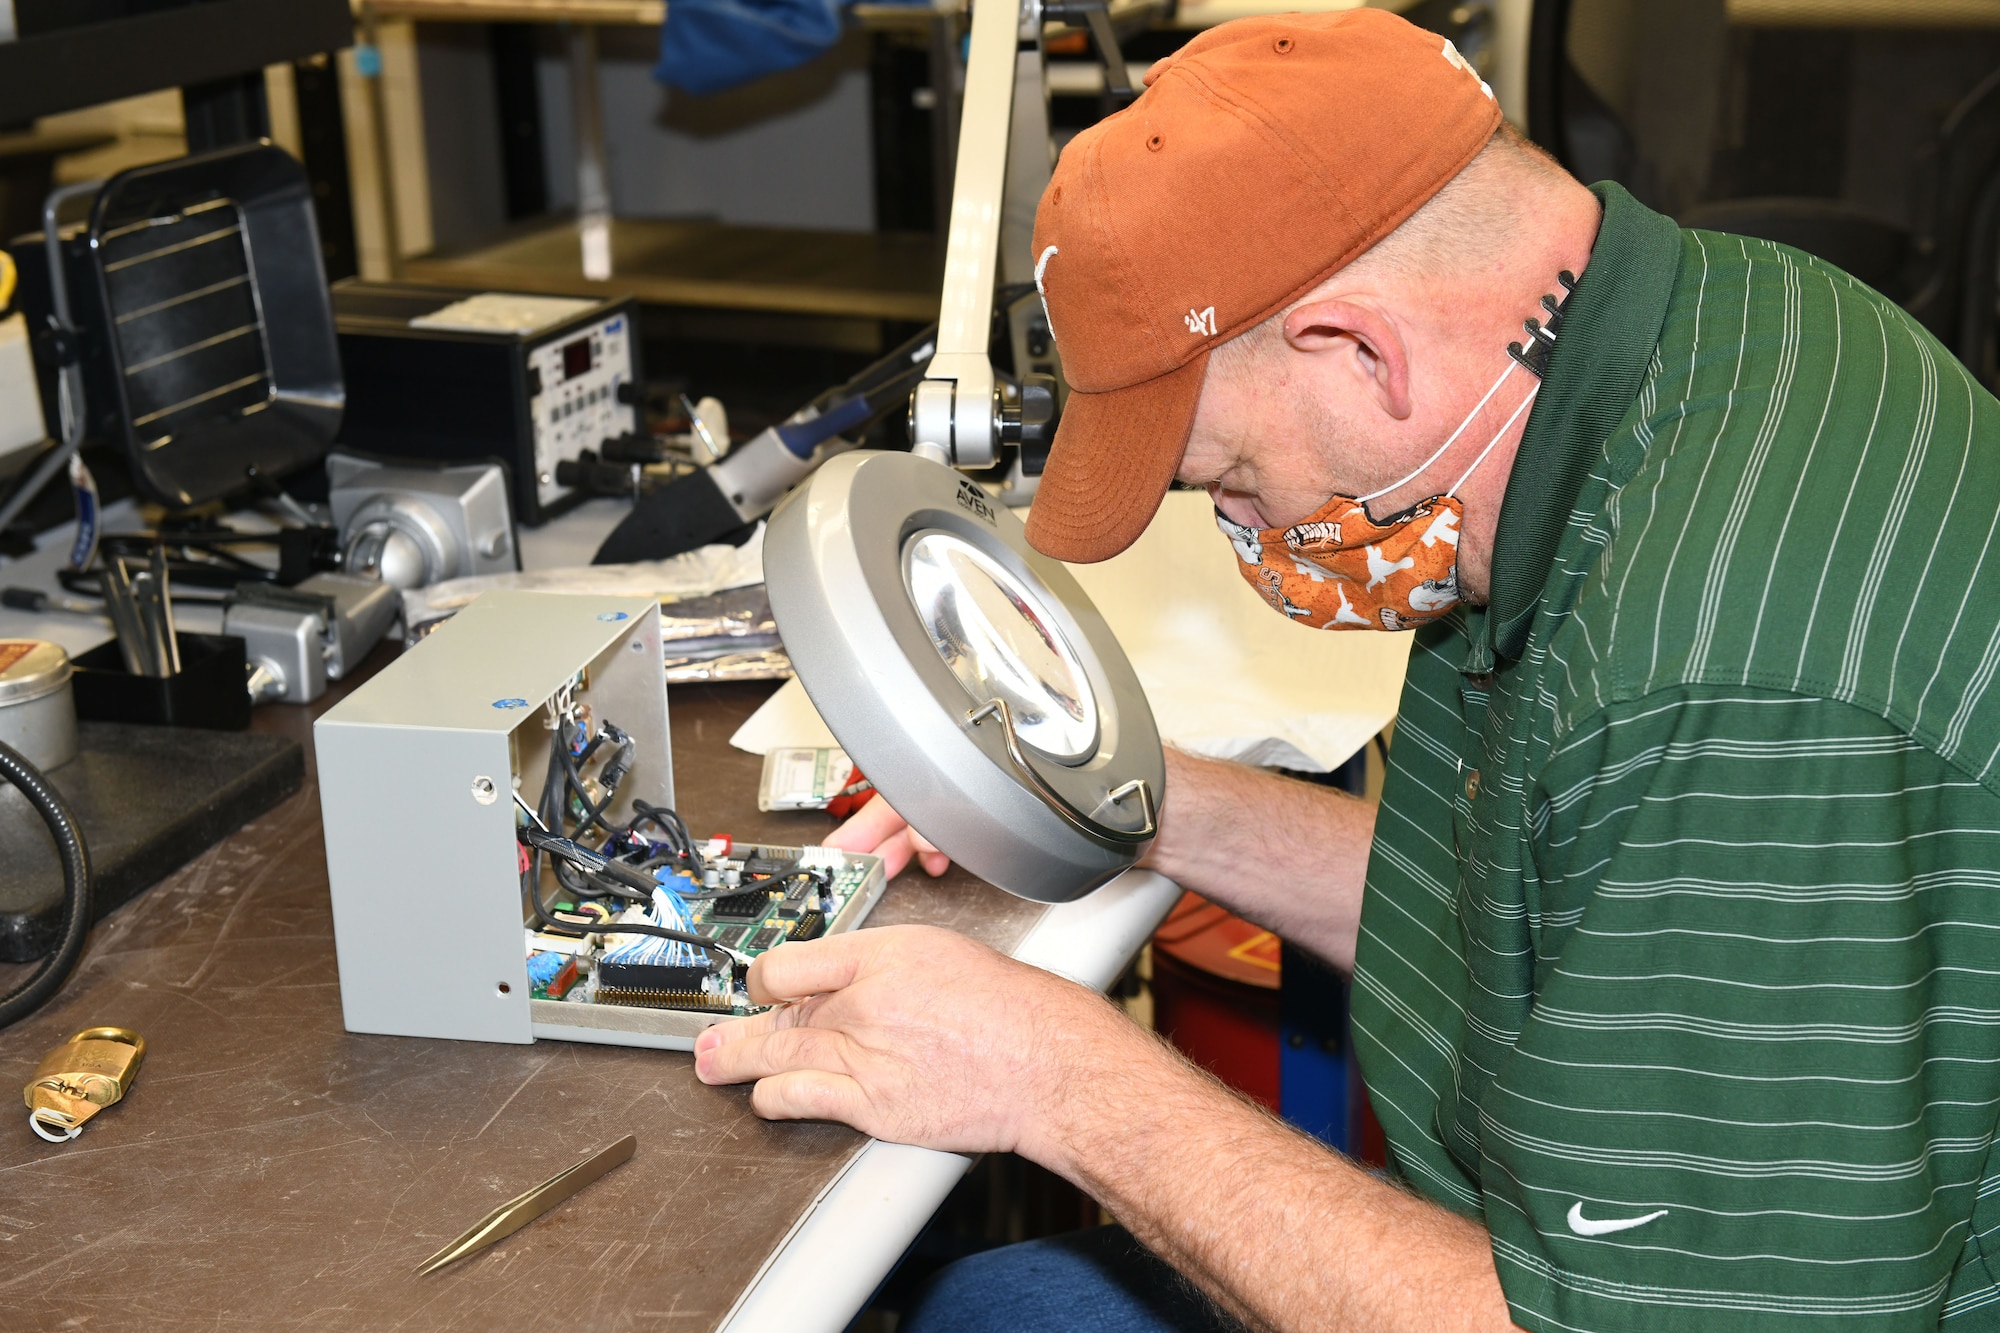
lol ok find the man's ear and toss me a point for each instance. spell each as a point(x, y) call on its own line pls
point(1349, 329)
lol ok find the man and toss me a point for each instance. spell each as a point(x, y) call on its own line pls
point(1677, 969)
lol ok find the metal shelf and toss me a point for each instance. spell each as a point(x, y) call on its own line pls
point(708, 264)
point(1864, 13)
point(100, 62)
point(649, 13)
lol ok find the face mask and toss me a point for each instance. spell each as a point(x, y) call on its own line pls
point(1337, 568)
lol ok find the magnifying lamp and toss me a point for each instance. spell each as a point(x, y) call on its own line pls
point(965, 673)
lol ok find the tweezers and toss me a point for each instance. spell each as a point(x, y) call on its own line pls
point(516, 1213)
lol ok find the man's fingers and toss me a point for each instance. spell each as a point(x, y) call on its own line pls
point(876, 829)
point(934, 862)
point(736, 1029)
point(869, 827)
point(812, 967)
point(809, 1094)
point(895, 852)
point(756, 1025)
point(778, 1052)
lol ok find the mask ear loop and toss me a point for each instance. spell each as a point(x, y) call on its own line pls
point(1425, 466)
point(1495, 440)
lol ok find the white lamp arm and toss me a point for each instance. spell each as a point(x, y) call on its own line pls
point(953, 412)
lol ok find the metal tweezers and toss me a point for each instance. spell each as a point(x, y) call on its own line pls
point(511, 1216)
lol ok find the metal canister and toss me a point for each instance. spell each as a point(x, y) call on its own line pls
point(37, 709)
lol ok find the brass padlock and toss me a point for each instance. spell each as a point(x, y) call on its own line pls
point(81, 1077)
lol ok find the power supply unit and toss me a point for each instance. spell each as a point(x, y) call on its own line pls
point(446, 376)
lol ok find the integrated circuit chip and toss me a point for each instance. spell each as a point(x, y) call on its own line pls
point(746, 906)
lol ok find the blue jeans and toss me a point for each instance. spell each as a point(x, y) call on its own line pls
point(1097, 1281)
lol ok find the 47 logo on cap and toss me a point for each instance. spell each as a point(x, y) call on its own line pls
point(1200, 321)
point(1459, 62)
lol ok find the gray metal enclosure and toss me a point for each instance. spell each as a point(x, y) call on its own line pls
point(417, 771)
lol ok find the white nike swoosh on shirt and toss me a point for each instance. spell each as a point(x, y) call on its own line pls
point(1583, 1226)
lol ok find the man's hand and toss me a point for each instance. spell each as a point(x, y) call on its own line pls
point(877, 830)
point(916, 1035)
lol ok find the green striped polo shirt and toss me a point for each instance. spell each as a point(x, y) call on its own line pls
point(1680, 956)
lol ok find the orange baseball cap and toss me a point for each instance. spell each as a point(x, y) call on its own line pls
point(1263, 157)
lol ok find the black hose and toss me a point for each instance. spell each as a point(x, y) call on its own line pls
point(47, 979)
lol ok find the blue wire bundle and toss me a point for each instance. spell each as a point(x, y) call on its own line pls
point(670, 912)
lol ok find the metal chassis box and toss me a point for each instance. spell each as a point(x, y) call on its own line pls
point(417, 770)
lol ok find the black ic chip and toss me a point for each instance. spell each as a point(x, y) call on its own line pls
point(746, 906)
point(765, 939)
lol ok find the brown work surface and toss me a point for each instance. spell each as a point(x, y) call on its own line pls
point(872, 275)
point(270, 1169)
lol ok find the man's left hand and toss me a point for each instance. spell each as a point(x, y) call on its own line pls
point(916, 1035)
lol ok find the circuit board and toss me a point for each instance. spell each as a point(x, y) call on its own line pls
point(577, 975)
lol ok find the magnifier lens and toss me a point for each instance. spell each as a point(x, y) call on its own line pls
point(995, 633)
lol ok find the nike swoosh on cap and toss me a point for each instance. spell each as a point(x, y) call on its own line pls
point(1584, 1226)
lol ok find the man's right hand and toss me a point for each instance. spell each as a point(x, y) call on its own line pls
point(877, 830)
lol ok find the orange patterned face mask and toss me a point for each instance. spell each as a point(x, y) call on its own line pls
point(1337, 568)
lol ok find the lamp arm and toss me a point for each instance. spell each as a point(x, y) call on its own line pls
point(953, 412)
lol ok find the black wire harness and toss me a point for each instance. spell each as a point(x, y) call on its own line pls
point(623, 868)
point(564, 849)
point(567, 804)
point(78, 898)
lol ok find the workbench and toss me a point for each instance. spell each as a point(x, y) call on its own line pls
point(271, 1169)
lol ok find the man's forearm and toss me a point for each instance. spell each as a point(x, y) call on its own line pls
point(1286, 854)
point(1279, 1230)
